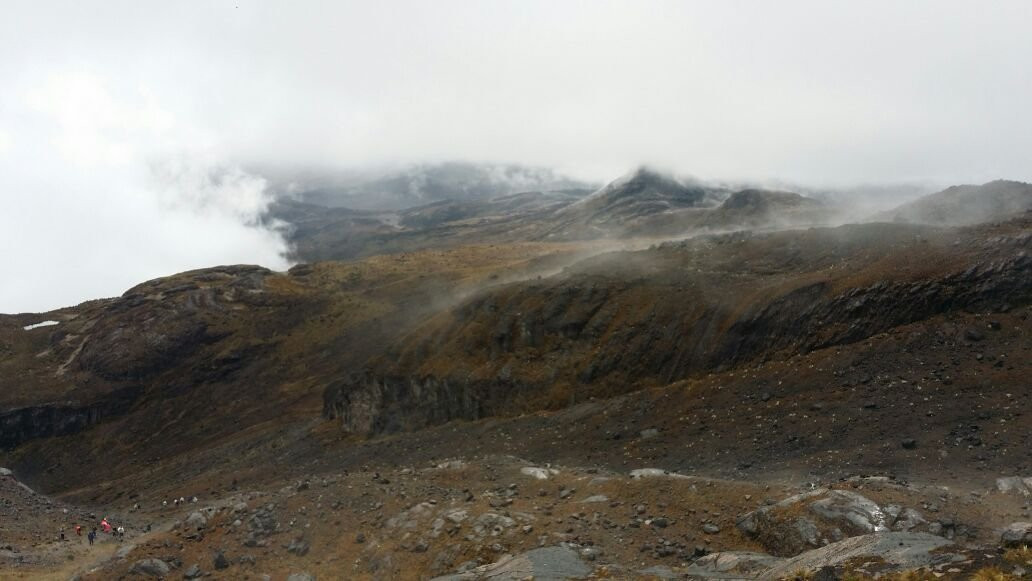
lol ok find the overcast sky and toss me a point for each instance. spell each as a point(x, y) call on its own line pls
point(124, 125)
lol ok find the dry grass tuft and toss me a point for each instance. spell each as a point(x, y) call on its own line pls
point(1019, 556)
point(991, 574)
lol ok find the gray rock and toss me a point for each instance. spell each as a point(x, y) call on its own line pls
point(908, 519)
point(902, 550)
point(150, 568)
point(749, 523)
point(732, 564)
point(299, 547)
point(219, 560)
point(538, 473)
point(854, 508)
point(808, 531)
point(655, 473)
point(710, 529)
point(193, 572)
point(1015, 484)
point(196, 521)
point(1017, 533)
point(596, 498)
point(649, 433)
point(544, 564)
point(301, 577)
point(6, 472)
point(835, 514)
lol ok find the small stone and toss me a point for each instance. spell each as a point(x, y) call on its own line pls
point(710, 529)
point(219, 561)
point(299, 547)
point(909, 443)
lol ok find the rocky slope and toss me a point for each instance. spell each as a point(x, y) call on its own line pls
point(642, 204)
point(746, 405)
point(966, 204)
point(626, 320)
point(189, 359)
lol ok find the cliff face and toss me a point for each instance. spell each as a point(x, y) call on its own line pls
point(627, 320)
point(21, 425)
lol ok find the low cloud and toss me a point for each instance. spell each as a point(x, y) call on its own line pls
point(106, 188)
point(131, 131)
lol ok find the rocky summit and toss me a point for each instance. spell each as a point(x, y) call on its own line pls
point(655, 379)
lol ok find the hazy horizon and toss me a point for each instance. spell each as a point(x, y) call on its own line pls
point(133, 134)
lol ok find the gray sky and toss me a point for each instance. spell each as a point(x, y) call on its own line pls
point(123, 125)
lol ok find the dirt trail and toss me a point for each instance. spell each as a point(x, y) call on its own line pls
point(86, 559)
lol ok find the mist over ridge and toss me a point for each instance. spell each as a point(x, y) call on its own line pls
point(139, 139)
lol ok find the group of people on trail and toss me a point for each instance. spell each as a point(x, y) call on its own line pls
point(105, 526)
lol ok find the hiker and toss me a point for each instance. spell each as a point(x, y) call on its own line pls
point(121, 534)
point(91, 536)
point(62, 534)
point(78, 532)
point(105, 526)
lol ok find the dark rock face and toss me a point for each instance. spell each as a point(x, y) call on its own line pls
point(28, 423)
point(155, 325)
point(370, 405)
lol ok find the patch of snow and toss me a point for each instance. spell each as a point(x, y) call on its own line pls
point(42, 324)
point(654, 473)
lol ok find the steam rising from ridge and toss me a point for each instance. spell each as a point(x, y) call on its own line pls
point(107, 188)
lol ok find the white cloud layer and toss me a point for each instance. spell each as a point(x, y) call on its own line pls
point(124, 125)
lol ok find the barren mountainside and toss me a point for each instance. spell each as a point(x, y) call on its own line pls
point(659, 379)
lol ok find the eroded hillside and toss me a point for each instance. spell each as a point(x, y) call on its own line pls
point(622, 321)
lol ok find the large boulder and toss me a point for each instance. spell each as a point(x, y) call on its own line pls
point(742, 564)
point(196, 521)
point(151, 568)
point(819, 517)
point(851, 509)
point(1015, 485)
point(1017, 533)
point(539, 473)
